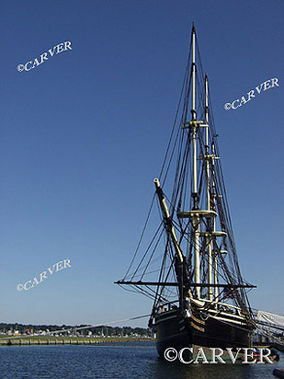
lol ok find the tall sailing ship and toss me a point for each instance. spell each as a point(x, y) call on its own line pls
point(190, 266)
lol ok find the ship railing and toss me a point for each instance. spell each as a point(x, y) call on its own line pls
point(166, 307)
point(173, 305)
point(234, 308)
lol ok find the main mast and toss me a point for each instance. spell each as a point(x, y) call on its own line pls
point(195, 194)
point(206, 214)
point(208, 197)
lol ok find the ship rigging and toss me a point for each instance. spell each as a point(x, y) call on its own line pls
point(190, 267)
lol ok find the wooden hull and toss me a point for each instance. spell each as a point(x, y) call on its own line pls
point(226, 330)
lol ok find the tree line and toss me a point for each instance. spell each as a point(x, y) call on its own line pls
point(98, 330)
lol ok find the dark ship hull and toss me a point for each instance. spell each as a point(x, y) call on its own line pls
point(173, 329)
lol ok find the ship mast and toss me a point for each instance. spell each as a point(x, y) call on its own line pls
point(208, 242)
point(194, 126)
point(197, 214)
point(195, 248)
point(216, 291)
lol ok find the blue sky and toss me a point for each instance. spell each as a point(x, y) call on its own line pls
point(84, 134)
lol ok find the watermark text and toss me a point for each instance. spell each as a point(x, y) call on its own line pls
point(251, 94)
point(61, 265)
point(63, 46)
point(187, 355)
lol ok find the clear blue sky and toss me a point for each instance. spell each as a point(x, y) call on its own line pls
point(83, 135)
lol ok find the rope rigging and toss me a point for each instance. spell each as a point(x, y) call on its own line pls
point(213, 229)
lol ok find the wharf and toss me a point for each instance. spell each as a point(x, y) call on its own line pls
point(52, 340)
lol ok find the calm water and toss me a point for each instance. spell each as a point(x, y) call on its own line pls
point(113, 362)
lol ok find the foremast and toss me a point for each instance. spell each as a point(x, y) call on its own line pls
point(196, 215)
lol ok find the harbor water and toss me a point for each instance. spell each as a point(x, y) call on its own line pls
point(115, 361)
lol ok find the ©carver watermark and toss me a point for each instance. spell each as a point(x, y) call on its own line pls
point(251, 94)
point(63, 46)
point(171, 355)
point(43, 275)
